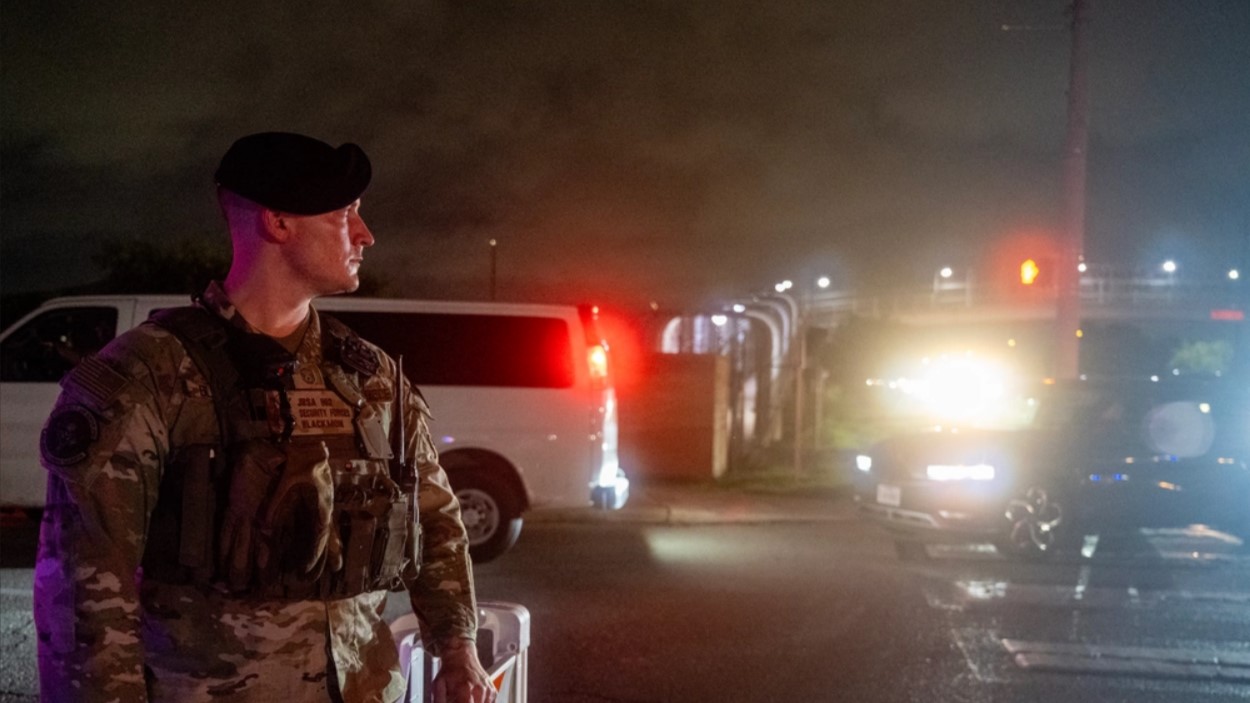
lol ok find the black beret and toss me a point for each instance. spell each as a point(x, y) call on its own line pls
point(294, 173)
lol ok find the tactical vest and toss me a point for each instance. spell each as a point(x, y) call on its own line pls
point(261, 405)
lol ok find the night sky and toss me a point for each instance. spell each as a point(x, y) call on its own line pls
point(625, 152)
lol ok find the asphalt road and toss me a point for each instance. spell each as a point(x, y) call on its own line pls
point(824, 611)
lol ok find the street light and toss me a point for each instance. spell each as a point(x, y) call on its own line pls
point(822, 282)
point(1234, 274)
point(1169, 266)
point(940, 275)
point(784, 286)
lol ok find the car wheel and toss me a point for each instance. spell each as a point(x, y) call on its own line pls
point(490, 512)
point(1034, 525)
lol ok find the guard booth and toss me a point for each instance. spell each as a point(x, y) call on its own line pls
point(503, 641)
point(714, 381)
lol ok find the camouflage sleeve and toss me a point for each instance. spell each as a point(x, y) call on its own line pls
point(102, 447)
point(442, 590)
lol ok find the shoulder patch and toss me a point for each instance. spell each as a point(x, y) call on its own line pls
point(346, 348)
point(357, 356)
point(68, 436)
point(98, 382)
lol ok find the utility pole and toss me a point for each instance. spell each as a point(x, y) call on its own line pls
point(493, 248)
point(1072, 247)
point(800, 387)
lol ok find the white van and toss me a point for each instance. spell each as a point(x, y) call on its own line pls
point(524, 407)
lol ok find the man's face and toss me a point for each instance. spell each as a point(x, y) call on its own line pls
point(327, 249)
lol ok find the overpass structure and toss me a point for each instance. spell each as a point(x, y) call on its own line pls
point(1124, 298)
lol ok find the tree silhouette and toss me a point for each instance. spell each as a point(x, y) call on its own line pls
point(182, 265)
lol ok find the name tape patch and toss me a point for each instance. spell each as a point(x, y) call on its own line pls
point(320, 412)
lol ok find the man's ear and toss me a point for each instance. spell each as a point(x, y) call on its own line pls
point(276, 225)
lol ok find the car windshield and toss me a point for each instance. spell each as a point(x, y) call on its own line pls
point(1093, 408)
point(1177, 421)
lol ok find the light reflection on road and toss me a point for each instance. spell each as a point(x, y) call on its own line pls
point(1100, 612)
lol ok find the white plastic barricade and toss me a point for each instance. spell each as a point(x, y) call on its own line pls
point(503, 641)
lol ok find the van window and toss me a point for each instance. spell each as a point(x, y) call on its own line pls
point(472, 350)
point(49, 345)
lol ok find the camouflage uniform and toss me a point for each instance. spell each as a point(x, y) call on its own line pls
point(106, 633)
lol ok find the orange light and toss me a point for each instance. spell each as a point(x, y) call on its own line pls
point(1029, 272)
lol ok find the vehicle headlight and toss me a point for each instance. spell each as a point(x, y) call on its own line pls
point(863, 462)
point(960, 472)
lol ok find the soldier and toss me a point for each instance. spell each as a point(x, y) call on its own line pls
point(228, 497)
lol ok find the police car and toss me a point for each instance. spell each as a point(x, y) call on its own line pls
point(1096, 455)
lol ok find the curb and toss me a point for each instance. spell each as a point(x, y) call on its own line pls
point(752, 510)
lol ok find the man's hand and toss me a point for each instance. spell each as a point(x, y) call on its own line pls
point(461, 678)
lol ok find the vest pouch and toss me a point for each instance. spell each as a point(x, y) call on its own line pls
point(355, 509)
point(298, 537)
point(199, 512)
point(254, 467)
point(359, 553)
point(390, 545)
point(182, 528)
point(332, 585)
point(374, 524)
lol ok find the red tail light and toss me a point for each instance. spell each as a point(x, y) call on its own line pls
point(596, 345)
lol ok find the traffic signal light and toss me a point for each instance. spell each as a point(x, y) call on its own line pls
point(1029, 272)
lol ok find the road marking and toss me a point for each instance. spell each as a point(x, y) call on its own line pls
point(964, 594)
point(977, 674)
point(1082, 582)
point(1197, 544)
point(1190, 532)
point(1089, 546)
point(1227, 665)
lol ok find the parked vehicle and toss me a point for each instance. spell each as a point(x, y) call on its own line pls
point(1096, 456)
point(523, 402)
